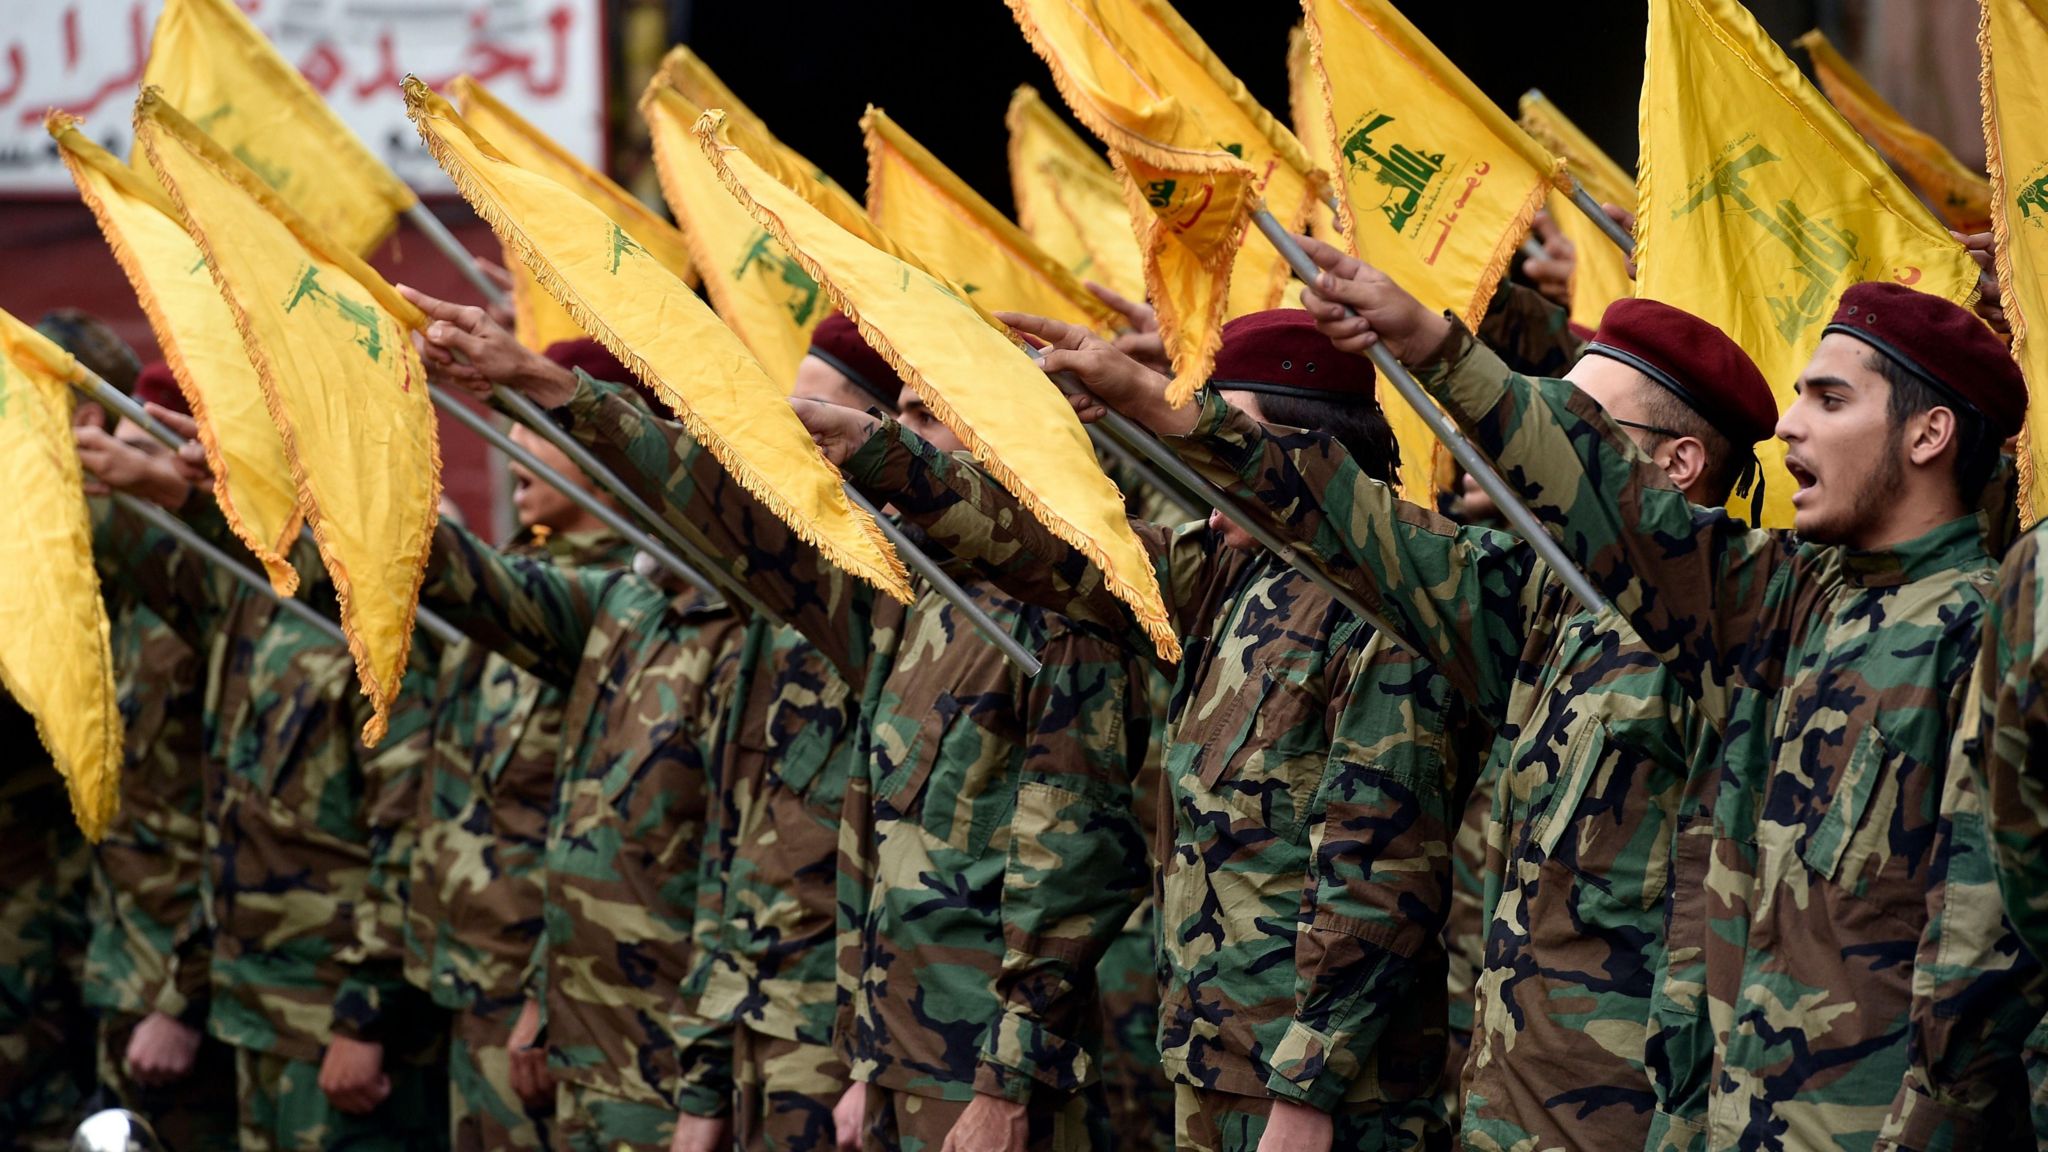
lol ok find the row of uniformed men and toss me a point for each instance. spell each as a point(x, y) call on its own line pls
point(691, 876)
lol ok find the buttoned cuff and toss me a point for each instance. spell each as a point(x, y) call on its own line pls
point(1311, 1067)
point(1921, 1123)
point(1023, 1054)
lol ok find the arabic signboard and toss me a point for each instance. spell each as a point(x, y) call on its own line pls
point(543, 57)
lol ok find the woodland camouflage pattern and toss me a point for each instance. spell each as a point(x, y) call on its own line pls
point(1313, 780)
point(2009, 704)
point(644, 679)
point(1830, 931)
point(1594, 739)
point(309, 833)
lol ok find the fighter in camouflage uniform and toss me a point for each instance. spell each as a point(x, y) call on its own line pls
point(1313, 776)
point(152, 947)
point(1596, 737)
point(1847, 955)
point(474, 904)
point(644, 678)
point(309, 837)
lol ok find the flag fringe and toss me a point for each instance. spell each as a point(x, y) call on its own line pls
point(274, 555)
point(890, 577)
point(1143, 599)
point(2001, 246)
point(381, 695)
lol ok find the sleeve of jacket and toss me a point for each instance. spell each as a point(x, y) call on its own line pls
point(1694, 582)
point(1378, 890)
point(139, 564)
point(1076, 866)
point(2011, 700)
point(392, 774)
point(960, 508)
point(1459, 594)
point(536, 615)
point(676, 476)
point(1977, 991)
point(1534, 336)
point(704, 1045)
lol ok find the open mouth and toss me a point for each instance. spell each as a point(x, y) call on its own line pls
point(1801, 476)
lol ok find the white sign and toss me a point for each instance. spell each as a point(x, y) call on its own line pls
point(544, 58)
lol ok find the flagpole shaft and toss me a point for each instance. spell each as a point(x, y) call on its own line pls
point(1511, 506)
point(1128, 459)
point(946, 586)
point(1607, 225)
point(464, 260)
point(113, 398)
point(582, 499)
point(178, 530)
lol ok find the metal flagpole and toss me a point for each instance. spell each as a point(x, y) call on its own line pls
point(1128, 459)
point(1518, 515)
point(946, 586)
point(1612, 230)
point(129, 409)
point(178, 530)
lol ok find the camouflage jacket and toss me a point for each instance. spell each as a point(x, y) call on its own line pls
point(1595, 742)
point(1313, 786)
point(2007, 736)
point(986, 790)
point(151, 948)
point(1843, 974)
point(473, 908)
point(644, 680)
point(309, 833)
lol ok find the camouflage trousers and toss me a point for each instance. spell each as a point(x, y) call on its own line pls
point(484, 1113)
point(1140, 1099)
point(903, 1122)
point(284, 1110)
point(46, 1036)
point(784, 1090)
point(587, 1120)
point(1206, 1121)
point(197, 1114)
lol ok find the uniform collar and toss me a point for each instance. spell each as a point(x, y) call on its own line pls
point(1953, 545)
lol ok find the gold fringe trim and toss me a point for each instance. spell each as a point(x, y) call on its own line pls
point(2001, 248)
point(381, 694)
point(275, 556)
point(892, 577)
point(1191, 366)
point(1143, 598)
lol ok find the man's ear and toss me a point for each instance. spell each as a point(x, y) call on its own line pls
point(1685, 460)
point(1929, 434)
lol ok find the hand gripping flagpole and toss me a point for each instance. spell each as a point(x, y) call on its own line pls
point(945, 586)
point(1518, 515)
point(177, 529)
point(1607, 225)
point(1144, 442)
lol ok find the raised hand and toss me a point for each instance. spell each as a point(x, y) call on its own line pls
point(1552, 272)
point(1140, 338)
point(464, 348)
point(1357, 306)
point(1111, 377)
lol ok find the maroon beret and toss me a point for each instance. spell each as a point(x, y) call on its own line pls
point(1280, 352)
point(155, 385)
point(1694, 361)
point(597, 362)
point(1942, 343)
point(837, 341)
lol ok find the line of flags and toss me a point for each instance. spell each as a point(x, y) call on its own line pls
point(241, 220)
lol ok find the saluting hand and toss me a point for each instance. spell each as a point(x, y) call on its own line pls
point(1356, 305)
point(1111, 379)
point(464, 348)
point(837, 430)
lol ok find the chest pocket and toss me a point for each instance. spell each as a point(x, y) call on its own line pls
point(965, 804)
point(1599, 817)
point(1264, 752)
point(811, 740)
point(1849, 841)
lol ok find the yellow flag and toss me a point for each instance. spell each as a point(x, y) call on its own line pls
point(2013, 36)
point(1601, 276)
point(1068, 198)
point(922, 204)
point(55, 656)
point(332, 346)
point(1761, 205)
point(766, 298)
point(983, 386)
point(192, 324)
point(1310, 112)
point(1961, 196)
point(657, 326)
point(1196, 152)
point(541, 320)
point(209, 60)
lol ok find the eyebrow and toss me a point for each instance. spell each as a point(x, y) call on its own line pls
point(1799, 387)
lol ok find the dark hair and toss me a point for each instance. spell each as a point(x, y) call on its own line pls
point(1976, 454)
point(1726, 460)
point(1360, 427)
